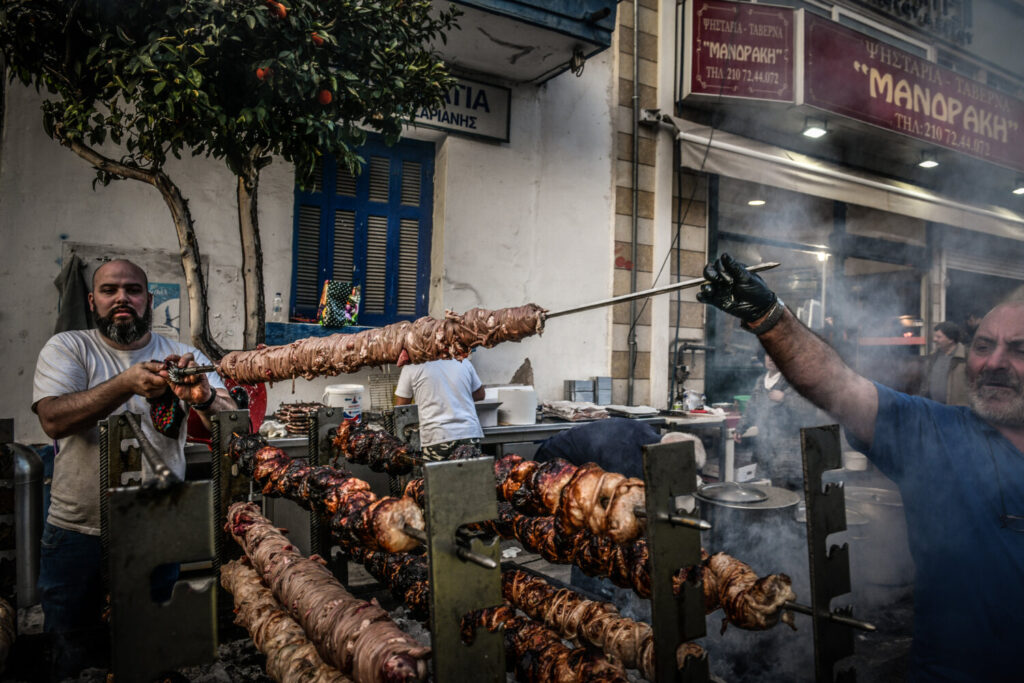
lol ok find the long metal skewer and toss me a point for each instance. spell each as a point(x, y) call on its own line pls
point(678, 520)
point(463, 554)
point(176, 374)
point(683, 284)
point(164, 476)
point(832, 616)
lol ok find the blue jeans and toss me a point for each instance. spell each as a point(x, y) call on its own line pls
point(71, 593)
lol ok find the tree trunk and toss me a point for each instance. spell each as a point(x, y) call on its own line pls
point(252, 252)
point(195, 283)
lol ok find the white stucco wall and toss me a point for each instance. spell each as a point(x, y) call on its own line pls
point(527, 221)
point(533, 221)
point(46, 199)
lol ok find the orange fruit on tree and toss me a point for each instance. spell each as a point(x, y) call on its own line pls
point(324, 97)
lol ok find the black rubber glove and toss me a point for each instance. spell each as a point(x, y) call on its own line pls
point(733, 289)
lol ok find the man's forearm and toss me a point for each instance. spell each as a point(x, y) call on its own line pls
point(818, 373)
point(61, 416)
point(222, 403)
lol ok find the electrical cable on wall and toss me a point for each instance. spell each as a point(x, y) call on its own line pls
point(680, 221)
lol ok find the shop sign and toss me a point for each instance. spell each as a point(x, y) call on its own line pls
point(738, 50)
point(854, 75)
point(472, 108)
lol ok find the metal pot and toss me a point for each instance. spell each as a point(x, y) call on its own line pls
point(746, 518)
point(882, 555)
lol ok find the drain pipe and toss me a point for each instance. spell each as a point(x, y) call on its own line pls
point(631, 342)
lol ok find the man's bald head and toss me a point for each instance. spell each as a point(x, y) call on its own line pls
point(123, 266)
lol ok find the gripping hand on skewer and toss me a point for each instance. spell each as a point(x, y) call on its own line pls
point(193, 389)
point(730, 287)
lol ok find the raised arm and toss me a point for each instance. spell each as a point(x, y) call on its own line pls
point(807, 362)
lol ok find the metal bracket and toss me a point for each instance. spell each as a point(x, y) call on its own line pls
point(149, 528)
point(227, 487)
point(320, 541)
point(829, 569)
point(460, 492)
point(407, 422)
point(650, 116)
point(670, 471)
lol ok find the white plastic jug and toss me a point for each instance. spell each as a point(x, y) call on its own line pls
point(348, 397)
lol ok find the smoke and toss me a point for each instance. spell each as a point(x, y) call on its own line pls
point(775, 541)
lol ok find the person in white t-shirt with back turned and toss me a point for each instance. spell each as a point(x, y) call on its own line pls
point(82, 377)
point(444, 391)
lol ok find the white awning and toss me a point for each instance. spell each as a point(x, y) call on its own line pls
point(715, 151)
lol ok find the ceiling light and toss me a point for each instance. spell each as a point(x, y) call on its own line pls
point(815, 128)
point(822, 256)
point(755, 202)
point(928, 160)
point(1018, 187)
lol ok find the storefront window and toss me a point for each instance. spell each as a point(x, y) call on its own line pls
point(853, 274)
point(788, 228)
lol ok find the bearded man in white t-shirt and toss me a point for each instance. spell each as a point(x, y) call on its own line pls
point(82, 377)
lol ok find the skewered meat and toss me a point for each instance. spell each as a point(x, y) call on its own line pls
point(8, 630)
point(585, 502)
point(406, 576)
point(597, 623)
point(291, 658)
point(525, 640)
point(749, 602)
point(376, 449)
point(584, 497)
point(400, 343)
point(539, 653)
point(746, 600)
point(353, 635)
point(356, 515)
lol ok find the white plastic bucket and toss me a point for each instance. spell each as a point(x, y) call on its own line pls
point(348, 397)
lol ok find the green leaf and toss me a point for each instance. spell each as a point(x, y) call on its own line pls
point(251, 21)
point(124, 36)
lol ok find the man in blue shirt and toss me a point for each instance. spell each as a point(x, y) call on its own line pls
point(960, 471)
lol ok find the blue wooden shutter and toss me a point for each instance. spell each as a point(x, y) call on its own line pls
point(373, 229)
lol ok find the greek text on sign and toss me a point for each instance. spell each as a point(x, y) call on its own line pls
point(739, 50)
point(857, 76)
point(472, 108)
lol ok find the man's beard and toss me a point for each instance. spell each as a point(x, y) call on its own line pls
point(128, 332)
point(987, 394)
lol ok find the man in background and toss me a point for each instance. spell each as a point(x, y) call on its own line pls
point(444, 391)
point(944, 377)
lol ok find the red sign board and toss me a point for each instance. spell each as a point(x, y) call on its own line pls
point(857, 76)
point(739, 50)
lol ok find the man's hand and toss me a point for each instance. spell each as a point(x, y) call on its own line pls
point(735, 290)
point(191, 389)
point(148, 378)
point(776, 395)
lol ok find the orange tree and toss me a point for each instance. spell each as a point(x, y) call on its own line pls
point(133, 83)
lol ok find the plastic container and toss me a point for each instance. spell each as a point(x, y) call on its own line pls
point(348, 397)
point(518, 405)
